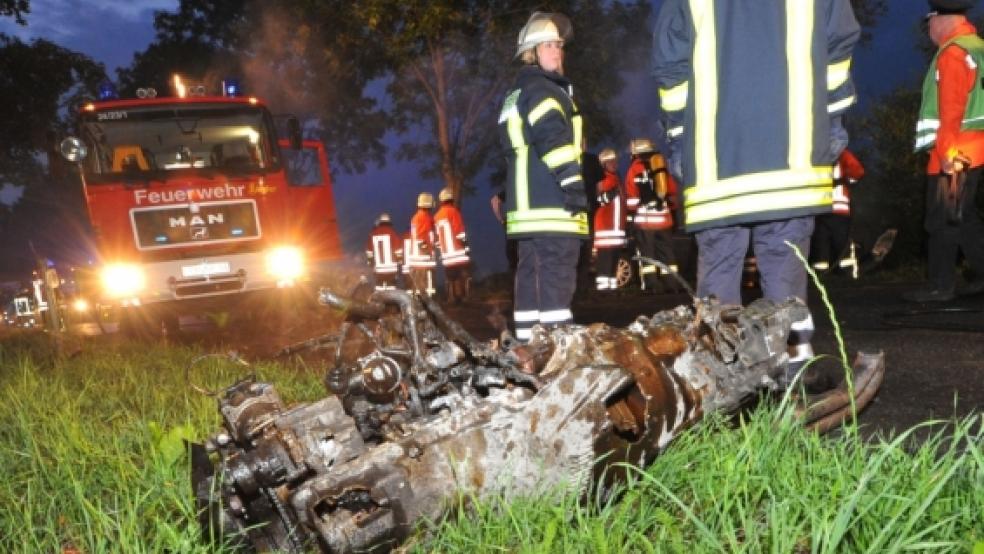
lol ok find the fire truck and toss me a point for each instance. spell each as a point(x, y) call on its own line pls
point(195, 199)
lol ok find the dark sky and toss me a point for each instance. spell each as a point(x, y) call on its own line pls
point(111, 31)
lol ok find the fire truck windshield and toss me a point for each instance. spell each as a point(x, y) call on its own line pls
point(150, 141)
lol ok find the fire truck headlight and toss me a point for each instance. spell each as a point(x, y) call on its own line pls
point(123, 280)
point(285, 263)
point(80, 305)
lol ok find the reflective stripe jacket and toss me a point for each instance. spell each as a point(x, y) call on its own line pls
point(421, 253)
point(750, 89)
point(451, 236)
point(609, 218)
point(384, 249)
point(649, 212)
point(847, 172)
point(950, 118)
point(540, 130)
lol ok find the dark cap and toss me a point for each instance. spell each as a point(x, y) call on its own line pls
point(949, 7)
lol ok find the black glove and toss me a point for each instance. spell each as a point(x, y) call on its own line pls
point(575, 201)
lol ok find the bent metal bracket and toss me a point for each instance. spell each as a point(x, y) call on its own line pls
point(419, 413)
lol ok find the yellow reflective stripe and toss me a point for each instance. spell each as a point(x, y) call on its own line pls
point(542, 108)
point(560, 155)
point(674, 99)
point(837, 73)
point(574, 227)
point(758, 203)
point(539, 214)
point(705, 91)
point(753, 183)
point(578, 125)
point(514, 126)
point(799, 42)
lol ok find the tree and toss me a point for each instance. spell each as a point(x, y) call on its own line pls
point(15, 8)
point(41, 87)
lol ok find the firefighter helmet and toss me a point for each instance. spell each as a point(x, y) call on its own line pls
point(383, 218)
point(543, 27)
point(425, 200)
point(641, 146)
point(607, 155)
point(445, 195)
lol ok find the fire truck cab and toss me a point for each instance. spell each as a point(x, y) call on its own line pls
point(195, 198)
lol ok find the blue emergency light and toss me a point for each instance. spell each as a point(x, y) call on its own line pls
point(107, 91)
point(230, 87)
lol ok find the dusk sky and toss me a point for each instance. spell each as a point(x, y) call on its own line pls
point(111, 31)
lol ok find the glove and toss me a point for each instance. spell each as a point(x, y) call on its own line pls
point(575, 201)
point(607, 196)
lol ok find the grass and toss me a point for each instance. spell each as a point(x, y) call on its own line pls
point(93, 461)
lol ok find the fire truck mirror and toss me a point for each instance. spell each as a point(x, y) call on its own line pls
point(73, 149)
point(294, 133)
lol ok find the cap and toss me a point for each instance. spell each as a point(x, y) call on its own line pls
point(445, 195)
point(425, 200)
point(949, 7)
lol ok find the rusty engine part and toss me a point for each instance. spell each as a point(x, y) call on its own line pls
point(422, 413)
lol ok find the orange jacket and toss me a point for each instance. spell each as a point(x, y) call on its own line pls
point(421, 252)
point(847, 171)
point(609, 218)
point(451, 235)
point(955, 78)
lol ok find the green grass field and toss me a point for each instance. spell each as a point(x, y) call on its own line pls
point(92, 458)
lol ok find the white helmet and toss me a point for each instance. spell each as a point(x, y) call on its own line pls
point(641, 146)
point(543, 27)
point(445, 195)
point(607, 155)
point(383, 218)
point(425, 200)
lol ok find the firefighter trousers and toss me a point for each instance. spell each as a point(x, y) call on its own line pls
point(546, 277)
point(721, 255)
point(830, 240)
point(947, 237)
point(658, 245)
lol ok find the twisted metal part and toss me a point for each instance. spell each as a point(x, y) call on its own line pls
point(423, 413)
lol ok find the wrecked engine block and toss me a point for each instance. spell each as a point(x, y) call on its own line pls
point(422, 413)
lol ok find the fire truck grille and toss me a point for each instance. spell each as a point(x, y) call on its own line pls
point(182, 225)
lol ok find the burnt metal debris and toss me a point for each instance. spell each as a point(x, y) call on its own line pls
point(421, 413)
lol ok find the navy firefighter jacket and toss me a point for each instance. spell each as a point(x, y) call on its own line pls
point(752, 93)
point(540, 130)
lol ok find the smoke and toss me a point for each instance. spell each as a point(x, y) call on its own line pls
point(10, 194)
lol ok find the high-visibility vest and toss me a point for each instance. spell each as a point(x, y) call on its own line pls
point(929, 115)
point(749, 89)
point(649, 213)
point(385, 249)
point(451, 237)
point(847, 172)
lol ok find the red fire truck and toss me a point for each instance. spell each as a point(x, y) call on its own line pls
point(195, 198)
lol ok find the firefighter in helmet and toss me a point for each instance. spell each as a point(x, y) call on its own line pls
point(453, 242)
point(420, 257)
point(609, 221)
point(649, 198)
point(546, 207)
point(384, 252)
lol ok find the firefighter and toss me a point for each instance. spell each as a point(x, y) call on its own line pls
point(609, 222)
point(384, 252)
point(420, 256)
point(453, 242)
point(540, 129)
point(951, 127)
point(762, 87)
point(830, 247)
point(649, 192)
